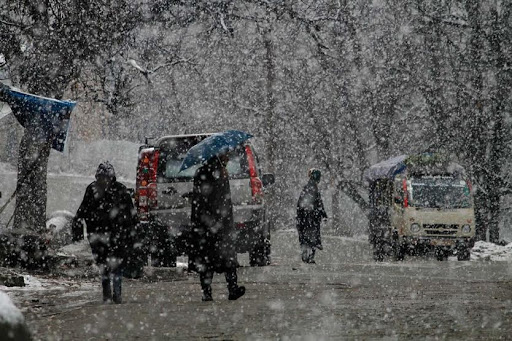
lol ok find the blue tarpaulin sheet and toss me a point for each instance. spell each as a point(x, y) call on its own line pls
point(386, 169)
point(51, 115)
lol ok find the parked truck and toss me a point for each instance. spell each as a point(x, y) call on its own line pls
point(420, 203)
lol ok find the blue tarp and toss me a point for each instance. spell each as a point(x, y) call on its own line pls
point(51, 115)
point(386, 169)
point(389, 168)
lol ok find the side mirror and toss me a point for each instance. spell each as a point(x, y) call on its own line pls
point(268, 179)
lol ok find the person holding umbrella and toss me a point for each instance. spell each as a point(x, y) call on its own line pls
point(310, 211)
point(213, 249)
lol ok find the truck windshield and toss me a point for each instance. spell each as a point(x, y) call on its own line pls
point(439, 192)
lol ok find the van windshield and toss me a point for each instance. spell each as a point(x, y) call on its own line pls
point(172, 156)
point(439, 192)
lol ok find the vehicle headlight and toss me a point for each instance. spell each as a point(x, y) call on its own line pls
point(466, 228)
point(415, 228)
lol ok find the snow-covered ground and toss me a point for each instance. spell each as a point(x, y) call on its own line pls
point(491, 252)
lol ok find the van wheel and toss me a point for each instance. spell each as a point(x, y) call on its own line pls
point(260, 254)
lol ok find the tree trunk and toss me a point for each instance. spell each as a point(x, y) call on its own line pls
point(31, 189)
point(478, 146)
point(496, 153)
point(269, 122)
point(270, 99)
point(335, 210)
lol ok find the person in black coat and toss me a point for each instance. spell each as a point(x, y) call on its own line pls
point(110, 218)
point(212, 236)
point(310, 212)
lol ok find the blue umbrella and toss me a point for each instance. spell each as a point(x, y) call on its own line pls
point(214, 145)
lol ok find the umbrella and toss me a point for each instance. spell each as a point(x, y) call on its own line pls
point(213, 145)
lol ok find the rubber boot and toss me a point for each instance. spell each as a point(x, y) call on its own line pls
point(206, 281)
point(117, 289)
point(311, 259)
point(107, 292)
point(235, 291)
point(304, 254)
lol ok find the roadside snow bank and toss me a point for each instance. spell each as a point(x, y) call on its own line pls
point(58, 227)
point(81, 250)
point(492, 252)
point(8, 311)
point(12, 322)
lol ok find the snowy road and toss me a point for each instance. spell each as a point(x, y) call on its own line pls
point(344, 296)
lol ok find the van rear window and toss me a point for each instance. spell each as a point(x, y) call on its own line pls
point(173, 153)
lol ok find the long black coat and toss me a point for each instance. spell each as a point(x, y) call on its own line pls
point(310, 211)
point(212, 237)
point(110, 218)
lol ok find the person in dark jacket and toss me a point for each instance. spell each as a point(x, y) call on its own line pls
point(310, 212)
point(109, 215)
point(212, 220)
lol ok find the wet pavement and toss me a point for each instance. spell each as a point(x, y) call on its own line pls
point(346, 295)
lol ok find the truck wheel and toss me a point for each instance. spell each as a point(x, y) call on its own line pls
point(260, 254)
point(463, 254)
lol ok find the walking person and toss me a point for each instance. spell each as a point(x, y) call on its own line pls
point(110, 218)
point(213, 229)
point(310, 212)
